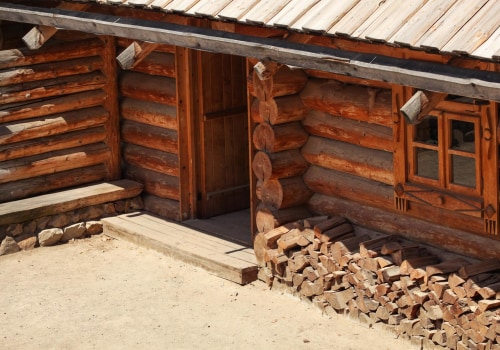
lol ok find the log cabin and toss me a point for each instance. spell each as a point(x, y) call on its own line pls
point(383, 113)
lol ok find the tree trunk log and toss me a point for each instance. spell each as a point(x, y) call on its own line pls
point(285, 193)
point(349, 101)
point(347, 130)
point(157, 63)
point(160, 185)
point(150, 136)
point(149, 88)
point(285, 82)
point(162, 162)
point(279, 138)
point(151, 113)
point(281, 110)
point(163, 207)
point(279, 165)
point(341, 156)
point(267, 219)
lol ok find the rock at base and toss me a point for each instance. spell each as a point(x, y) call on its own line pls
point(28, 243)
point(73, 231)
point(93, 227)
point(9, 246)
point(50, 236)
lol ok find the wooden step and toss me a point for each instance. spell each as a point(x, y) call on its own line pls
point(225, 259)
point(54, 203)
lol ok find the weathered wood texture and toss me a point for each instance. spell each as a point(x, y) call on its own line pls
point(58, 125)
point(149, 127)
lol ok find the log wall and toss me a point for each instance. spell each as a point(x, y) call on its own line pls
point(57, 124)
point(149, 129)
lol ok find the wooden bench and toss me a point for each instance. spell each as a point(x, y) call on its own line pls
point(64, 201)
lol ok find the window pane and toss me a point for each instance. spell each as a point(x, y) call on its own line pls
point(427, 163)
point(463, 135)
point(463, 171)
point(427, 131)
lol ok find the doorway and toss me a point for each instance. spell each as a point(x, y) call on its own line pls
point(221, 124)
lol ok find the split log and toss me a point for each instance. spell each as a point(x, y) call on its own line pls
point(349, 101)
point(342, 231)
point(148, 88)
point(373, 247)
point(134, 54)
point(166, 208)
point(160, 185)
point(408, 265)
point(348, 158)
point(351, 131)
point(339, 184)
point(282, 110)
point(285, 193)
point(150, 136)
point(406, 252)
point(445, 267)
point(56, 161)
point(490, 291)
point(489, 265)
point(162, 162)
point(47, 106)
point(52, 143)
point(50, 88)
point(279, 138)
point(395, 223)
point(339, 299)
point(54, 53)
point(347, 246)
point(267, 240)
point(278, 165)
point(285, 82)
point(152, 113)
point(15, 190)
point(55, 124)
point(52, 70)
point(267, 219)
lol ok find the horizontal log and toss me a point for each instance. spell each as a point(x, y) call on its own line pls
point(148, 88)
point(336, 155)
point(47, 106)
point(52, 162)
point(381, 220)
point(281, 110)
point(157, 63)
point(351, 187)
point(155, 114)
point(54, 124)
point(50, 88)
point(285, 82)
point(160, 185)
point(285, 193)
point(255, 111)
point(26, 188)
point(279, 165)
point(147, 158)
point(267, 219)
point(347, 130)
point(279, 138)
point(53, 143)
point(163, 207)
point(51, 53)
point(50, 70)
point(150, 136)
point(349, 101)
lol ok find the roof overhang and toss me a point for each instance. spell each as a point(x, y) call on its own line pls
point(422, 75)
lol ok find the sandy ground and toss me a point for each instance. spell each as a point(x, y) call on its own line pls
point(99, 293)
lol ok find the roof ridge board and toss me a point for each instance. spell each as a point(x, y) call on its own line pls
point(435, 9)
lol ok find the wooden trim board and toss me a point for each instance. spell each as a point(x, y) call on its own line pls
point(54, 203)
point(225, 259)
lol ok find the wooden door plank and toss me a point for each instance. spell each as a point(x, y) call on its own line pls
point(449, 24)
point(392, 19)
point(421, 22)
point(476, 31)
point(355, 17)
point(292, 12)
point(266, 10)
point(335, 10)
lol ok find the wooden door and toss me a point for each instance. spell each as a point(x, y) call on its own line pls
point(223, 168)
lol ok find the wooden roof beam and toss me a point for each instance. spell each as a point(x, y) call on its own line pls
point(40, 34)
point(135, 53)
point(420, 104)
point(421, 75)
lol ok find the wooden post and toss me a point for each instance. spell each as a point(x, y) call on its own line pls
point(111, 104)
point(135, 53)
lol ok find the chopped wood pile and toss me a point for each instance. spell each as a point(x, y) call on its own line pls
point(450, 303)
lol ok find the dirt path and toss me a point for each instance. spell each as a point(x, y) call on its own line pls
point(99, 293)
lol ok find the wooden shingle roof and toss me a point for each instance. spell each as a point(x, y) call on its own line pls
point(465, 27)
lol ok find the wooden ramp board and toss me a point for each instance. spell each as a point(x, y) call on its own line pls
point(225, 259)
point(64, 201)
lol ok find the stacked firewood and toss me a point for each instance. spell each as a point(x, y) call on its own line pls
point(385, 279)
